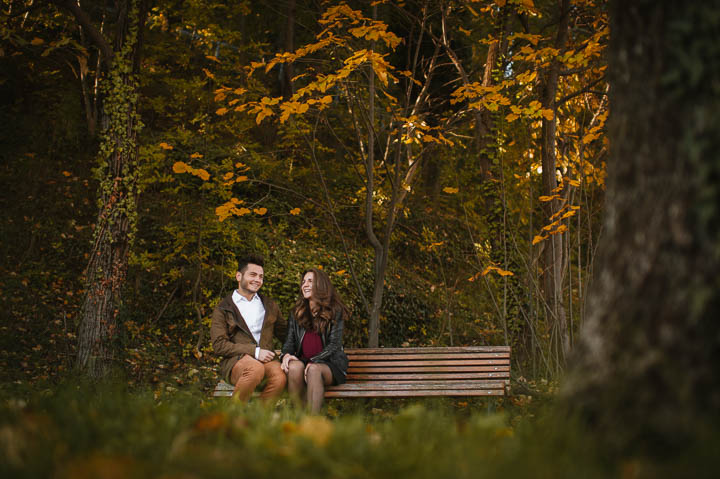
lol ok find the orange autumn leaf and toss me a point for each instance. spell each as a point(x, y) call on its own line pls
point(260, 211)
point(500, 271)
point(200, 173)
point(450, 190)
point(196, 155)
point(538, 238)
point(295, 211)
point(180, 167)
point(165, 146)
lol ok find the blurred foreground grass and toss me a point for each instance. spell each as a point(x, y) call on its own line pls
point(85, 431)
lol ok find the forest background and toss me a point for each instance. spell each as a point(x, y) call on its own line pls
point(443, 161)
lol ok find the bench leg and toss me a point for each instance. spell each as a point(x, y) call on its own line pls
point(491, 405)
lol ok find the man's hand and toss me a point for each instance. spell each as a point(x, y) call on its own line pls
point(265, 356)
point(285, 366)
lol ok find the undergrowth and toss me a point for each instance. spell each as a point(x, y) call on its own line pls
point(107, 431)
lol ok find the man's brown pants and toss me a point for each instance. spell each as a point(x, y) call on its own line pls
point(248, 372)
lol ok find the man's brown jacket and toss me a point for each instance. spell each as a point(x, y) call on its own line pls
point(231, 337)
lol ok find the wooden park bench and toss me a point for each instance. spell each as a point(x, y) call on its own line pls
point(420, 372)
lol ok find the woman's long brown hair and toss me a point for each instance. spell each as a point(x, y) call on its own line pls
point(328, 303)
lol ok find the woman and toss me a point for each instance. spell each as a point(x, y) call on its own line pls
point(313, 355)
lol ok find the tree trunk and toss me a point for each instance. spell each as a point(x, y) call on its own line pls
point(379, 270)
point(553, 253)
point(646, 372)
point(115, 224)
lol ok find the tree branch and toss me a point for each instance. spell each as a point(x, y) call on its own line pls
point(84, 20)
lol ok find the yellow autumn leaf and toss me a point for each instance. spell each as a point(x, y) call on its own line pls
point(450, 190)
point(511, 117)
point(242, 211)
point(165, 146)
point(260, 211)
point(341, 272)
point(201, 173)
point(208, 73)
point(240, 179)
point(37, 41)
point(228, 175)
point(326, 99)
point(549, 198)
point(500, 271)
point(180, 167)
point(560, 229)
point(538, 238)
point(548, 114)
point(239, 91)
point(221, 111)
point(295, 211)
point(196, 155)
point(213, 58)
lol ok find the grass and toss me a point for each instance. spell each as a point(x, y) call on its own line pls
point(81, 430)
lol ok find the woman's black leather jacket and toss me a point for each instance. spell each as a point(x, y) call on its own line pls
point(332, 352)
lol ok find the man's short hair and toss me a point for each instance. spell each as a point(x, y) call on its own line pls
point(246, 259)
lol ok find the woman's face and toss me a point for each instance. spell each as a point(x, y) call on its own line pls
point(306, 286)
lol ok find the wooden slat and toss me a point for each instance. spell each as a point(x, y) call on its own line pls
point(430, 381)
point(422, 393)
point(400, 357)
point(413, 377)
point(430, 385)
point(428, 369)
point(422, 350)
point(446, 362)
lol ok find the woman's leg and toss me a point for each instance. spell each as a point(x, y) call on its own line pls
point(296, 380)
point(318, 376)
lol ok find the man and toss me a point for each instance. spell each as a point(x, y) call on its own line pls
point(243, 325)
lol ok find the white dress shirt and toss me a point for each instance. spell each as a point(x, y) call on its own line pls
point(253, 312)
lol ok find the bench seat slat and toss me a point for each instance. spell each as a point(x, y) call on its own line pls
point(391, 380)
point(466, 375)
point(419, 393)
point(436, 385)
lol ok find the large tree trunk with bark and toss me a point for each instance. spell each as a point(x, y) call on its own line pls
point(646, 373)
point(115, 226)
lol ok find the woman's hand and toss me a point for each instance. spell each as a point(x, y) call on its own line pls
point(285, 366)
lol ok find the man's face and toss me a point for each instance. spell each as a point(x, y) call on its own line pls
point(251, 280)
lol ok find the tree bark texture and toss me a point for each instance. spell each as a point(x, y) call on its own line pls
point(553, 254)
point(646, 371)
point(115, 226)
